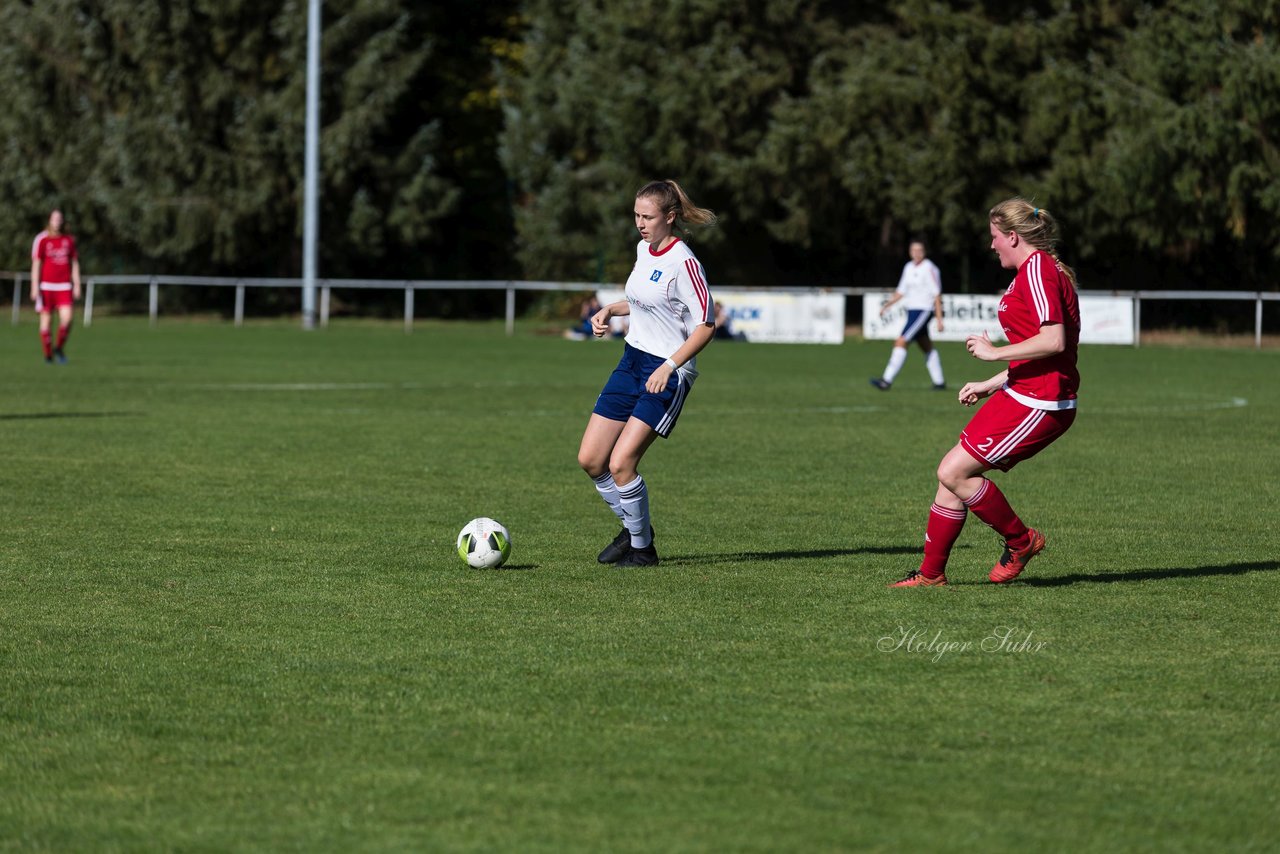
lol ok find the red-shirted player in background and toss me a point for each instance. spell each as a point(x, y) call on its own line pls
point(1032, 403)
point(55, 283)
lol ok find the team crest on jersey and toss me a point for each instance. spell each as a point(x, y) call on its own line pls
point(657, 274)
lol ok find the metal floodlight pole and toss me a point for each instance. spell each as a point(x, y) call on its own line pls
point(310, 216)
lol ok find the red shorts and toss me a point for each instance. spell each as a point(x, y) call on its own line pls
point(1004, 432)
point(49, 300)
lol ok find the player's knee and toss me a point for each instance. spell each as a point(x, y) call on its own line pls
point(592, 464)
point(948, 475)
point(900, 342)
point(623, 469)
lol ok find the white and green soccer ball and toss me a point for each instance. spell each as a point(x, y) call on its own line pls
point(484, 543)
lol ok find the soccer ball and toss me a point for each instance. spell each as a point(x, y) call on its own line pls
point(484, 543)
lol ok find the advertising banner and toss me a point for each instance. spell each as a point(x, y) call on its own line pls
point(1103, 319)
point(774, 317)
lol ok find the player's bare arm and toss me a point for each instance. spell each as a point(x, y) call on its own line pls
point(1050, 341)
point(600, 320)
point(698, 339)
point(976, 391)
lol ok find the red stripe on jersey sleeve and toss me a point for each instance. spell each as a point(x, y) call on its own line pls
point(699, 287)
point(1035, 283)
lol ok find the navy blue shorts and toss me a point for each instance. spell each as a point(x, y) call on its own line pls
point(624, 395)
point(917, 324)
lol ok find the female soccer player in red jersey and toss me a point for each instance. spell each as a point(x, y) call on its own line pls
point(1033, 401)
point(55, 283)
point(672, 319)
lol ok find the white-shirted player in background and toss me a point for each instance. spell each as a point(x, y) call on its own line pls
point(672, 319)
point(920, 290)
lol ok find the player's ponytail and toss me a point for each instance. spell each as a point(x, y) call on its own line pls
point(1033, 224)
point(670, 197)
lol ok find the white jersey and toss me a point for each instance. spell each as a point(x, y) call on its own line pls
point(669, 298)
point(919, 284)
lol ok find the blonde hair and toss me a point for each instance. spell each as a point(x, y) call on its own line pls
point(670, 197)
point(1033, 224)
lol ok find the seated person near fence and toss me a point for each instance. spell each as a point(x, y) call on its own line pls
point(724, 325)
point(581, 330)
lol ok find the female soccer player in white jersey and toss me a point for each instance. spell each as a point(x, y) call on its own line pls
point(1033, 401)
point(920, 289)
point(672, 319)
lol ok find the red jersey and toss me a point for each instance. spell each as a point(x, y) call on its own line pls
point(1040, 294)
point(57, 253)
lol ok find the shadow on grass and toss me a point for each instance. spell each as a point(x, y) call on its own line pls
point(24, 416)
point(1156, 574)
point(791, 554)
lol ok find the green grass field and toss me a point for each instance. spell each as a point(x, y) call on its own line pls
point(231, 615)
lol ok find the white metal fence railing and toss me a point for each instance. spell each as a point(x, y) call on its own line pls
point(326, 286)
point(411, 286)
point(1257, 297)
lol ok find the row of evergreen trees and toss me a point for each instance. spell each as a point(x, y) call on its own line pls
point(504, 139)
